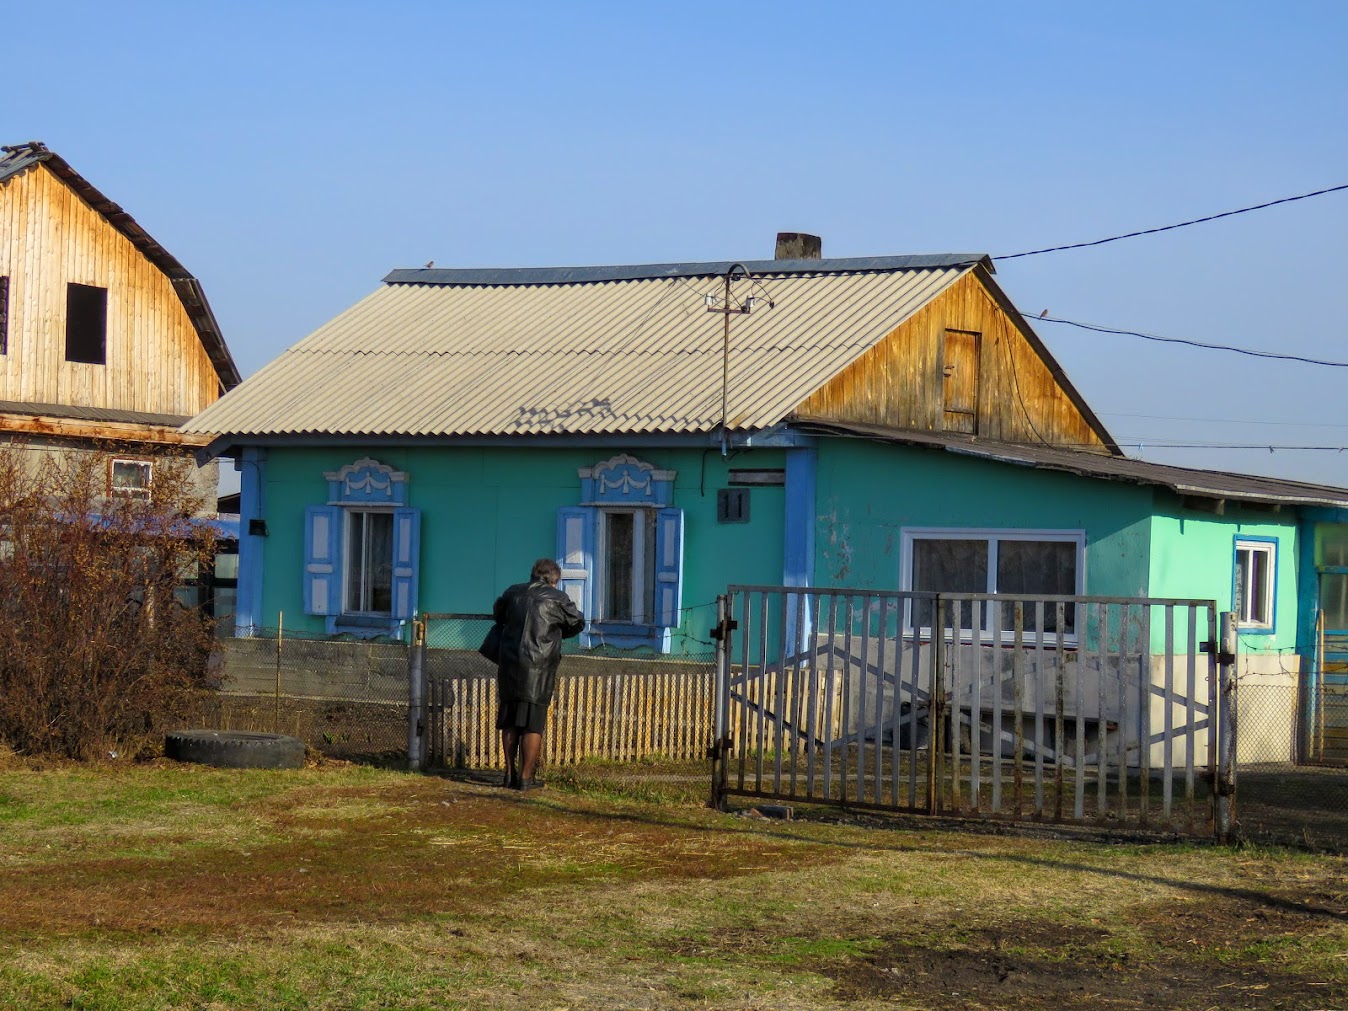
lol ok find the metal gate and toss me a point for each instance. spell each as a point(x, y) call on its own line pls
point(1066, 709)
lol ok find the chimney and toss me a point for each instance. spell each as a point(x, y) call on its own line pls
point(798, 246)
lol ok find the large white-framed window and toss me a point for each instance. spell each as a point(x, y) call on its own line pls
point(1025, 563)
point(362, 551)
point(621, 554)
point(1254, 584)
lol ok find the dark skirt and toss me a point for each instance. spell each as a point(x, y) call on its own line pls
point(527, 716)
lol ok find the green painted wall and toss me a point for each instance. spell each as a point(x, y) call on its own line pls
point(868, 492)
point(1193, 555)
point(486, 514)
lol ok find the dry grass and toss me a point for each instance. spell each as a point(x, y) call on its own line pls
point(346, 887)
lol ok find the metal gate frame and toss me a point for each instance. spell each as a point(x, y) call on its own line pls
point(862, 711)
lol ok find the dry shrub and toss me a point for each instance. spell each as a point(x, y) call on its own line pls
point(96, 651)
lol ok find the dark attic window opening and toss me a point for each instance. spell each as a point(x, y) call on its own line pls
point(732, 505)
point(4, 315)
point(86, 324)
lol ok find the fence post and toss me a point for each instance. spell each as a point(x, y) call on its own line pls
point(719, 750)
point(1225, 786)
point(416, 695)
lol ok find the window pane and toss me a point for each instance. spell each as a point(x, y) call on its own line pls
point(355, 560)
point(380, 561)
point(618, 566)
point(1028, 568)
point(1254, 575)
point(1334, 599)
point(956, 566)
point(1331, 544)
point(226, 565)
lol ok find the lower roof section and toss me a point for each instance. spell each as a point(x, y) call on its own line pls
point(1187, 482)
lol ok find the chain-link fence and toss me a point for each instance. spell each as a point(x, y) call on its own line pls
point(1292, 776)
point(343, 698)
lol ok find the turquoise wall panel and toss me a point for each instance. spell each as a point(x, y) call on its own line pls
point(487, 514)
point(869, 492)
point(1193, 555)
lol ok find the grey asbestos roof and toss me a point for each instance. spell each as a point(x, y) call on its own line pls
point(1186, 482)
point(18, 157)
point(580, 350)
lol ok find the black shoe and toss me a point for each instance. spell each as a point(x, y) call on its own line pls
point(525, 785)
point(511, 780)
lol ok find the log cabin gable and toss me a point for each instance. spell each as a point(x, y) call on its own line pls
point(966, 362)
point(97, 315)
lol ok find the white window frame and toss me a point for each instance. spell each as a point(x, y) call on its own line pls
point(146, 492)
point(993, 535)
point(643, 530)
point(347, 569)
point(1241, 597)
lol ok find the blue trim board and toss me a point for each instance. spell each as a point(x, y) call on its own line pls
point(798, 550)
point(252, 547)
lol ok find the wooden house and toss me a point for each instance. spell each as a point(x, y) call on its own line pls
point(666, 430)
point(106, 340)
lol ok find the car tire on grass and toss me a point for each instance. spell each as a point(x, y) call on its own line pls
point(234, 749)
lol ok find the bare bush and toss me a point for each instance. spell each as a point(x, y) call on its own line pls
point(96, 651)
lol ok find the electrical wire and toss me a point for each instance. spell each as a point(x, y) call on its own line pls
point(1251, 352)
point(1168, 228)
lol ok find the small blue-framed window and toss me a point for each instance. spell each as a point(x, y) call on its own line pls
point(361, 552)
point(621, 554)
point(1254, 584)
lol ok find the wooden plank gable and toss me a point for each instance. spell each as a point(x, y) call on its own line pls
point(965, 362)
point(154, 360)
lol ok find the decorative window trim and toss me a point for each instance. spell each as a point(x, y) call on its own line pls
point(993, 535)
point(1266, 546)
point(364, 486)
point(623, 484)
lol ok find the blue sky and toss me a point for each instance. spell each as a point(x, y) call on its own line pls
point(290, 154)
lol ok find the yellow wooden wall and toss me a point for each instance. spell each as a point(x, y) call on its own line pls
point(155, 361)
point(900, 382)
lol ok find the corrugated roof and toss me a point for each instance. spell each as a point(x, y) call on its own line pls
point(90, 413)
point(18, 157)
point(1184, 481)
point(594, 350)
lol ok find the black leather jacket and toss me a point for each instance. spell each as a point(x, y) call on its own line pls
point(534, 619)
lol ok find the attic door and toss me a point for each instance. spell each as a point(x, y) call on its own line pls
point(959, 365)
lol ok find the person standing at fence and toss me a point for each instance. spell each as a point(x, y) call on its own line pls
point(534, 618)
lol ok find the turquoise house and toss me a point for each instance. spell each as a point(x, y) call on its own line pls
point(667, 430)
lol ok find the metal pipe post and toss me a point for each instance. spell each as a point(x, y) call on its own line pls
point(1225, 786)
point(416, 695)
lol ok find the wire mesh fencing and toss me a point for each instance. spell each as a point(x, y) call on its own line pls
point(344, 698)
point(1291, 782)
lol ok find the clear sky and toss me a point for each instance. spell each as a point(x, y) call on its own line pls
point(291, 154)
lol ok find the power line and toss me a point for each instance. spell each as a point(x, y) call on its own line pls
point(1193, 344)
point(1167, 228)
point(1224, 421)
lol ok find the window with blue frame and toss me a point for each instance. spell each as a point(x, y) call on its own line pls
point(621, 554)
point(1255, 577)
point(361, 551)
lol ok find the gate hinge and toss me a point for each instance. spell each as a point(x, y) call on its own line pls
point(719, 632)
point(721, 748)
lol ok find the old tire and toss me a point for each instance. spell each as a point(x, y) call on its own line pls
point(234, 749)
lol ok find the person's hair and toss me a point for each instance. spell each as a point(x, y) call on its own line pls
point(545, 569)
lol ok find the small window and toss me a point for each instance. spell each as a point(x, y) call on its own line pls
point(86, 324)
point(4, 315)
point(732, 505)
point(131, 478)
point(369, 562)
point(1253, 595)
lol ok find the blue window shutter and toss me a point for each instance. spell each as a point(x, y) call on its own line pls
point(322, 560)
point(406, 556)
point(577, 531)
point(668, 567)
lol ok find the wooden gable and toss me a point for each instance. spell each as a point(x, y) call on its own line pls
point(965, 363)
point(55, 249)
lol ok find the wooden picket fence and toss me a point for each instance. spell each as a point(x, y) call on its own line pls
point(621, 715)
